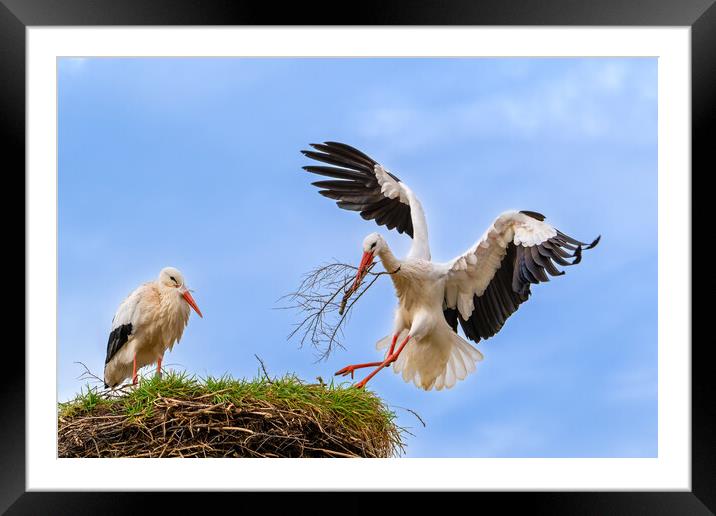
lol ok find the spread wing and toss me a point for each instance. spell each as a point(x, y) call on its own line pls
point(486, 284)
point(125, 322)
point(361, 184)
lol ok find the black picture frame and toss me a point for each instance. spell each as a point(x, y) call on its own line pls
point(700, 15)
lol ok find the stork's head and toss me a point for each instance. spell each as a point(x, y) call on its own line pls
point(372, 244)
point(172, 279)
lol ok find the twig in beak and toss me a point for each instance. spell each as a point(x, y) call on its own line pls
point(348, 293)
point(318, 299)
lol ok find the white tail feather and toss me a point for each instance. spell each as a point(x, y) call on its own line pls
point(439, 360)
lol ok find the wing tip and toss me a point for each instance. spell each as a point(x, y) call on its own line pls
point(314, 147)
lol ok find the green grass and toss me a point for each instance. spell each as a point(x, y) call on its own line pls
point(355, 408)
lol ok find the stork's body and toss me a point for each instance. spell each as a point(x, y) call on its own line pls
point(436, 356)
point(479, 289)
point(147, 324)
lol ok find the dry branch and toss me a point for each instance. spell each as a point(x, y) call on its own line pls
point(317, 300)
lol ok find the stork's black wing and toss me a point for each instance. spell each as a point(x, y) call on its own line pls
point(357, 185)
point(520, 266)
point(118, 337)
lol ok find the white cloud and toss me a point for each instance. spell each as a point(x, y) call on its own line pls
point(506, 438)
point(633, 385)
point(73, 64)
point(502, 439)
point(593, 100)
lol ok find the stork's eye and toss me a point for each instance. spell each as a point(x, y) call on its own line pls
point(172, 278)
point(372, 245)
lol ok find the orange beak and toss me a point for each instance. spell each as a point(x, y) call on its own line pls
point(192, 303)
point(364, 263)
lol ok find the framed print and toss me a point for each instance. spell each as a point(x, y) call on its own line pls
point(157, 138)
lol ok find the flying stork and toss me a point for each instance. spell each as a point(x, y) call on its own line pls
point(147, 323)
point(479, 289)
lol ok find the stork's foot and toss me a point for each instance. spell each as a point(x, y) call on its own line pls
point(392, 357)
point(386, 363)
point(361, 384)
point(350, 369)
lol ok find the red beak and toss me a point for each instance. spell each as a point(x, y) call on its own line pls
point(192, 303)
point(364, 263)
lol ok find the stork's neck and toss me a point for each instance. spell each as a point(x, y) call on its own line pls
point(168, 295)
point(172, 315)
point(421, 246)
point(388, 259)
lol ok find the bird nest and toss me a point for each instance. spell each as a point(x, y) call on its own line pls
point(181, 416)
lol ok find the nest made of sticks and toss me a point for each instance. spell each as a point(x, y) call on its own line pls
point(181, 416)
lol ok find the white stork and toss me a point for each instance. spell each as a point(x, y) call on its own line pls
point(147, 323)
point(479, 289)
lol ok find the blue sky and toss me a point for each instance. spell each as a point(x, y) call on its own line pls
point(195, 163)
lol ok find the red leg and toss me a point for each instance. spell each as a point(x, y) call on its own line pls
point(350, 368)
point(392, 345)
point(134, 370)
point(389, 360)
point(159, 366)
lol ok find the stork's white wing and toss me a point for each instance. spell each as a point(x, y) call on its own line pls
point(128, 311)
point(127, 319)
point(486, 284)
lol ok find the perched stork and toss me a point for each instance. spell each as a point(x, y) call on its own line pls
point(479, 289)
point(146, 324)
